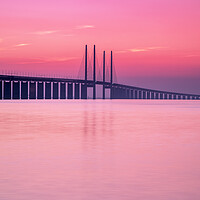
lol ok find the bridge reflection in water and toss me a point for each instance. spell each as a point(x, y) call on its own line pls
point(26, 87)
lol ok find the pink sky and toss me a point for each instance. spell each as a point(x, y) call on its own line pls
point(155, 39)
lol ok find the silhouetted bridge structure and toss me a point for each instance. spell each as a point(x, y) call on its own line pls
point(26, 87)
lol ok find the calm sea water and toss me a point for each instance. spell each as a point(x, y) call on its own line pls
point(94, 150)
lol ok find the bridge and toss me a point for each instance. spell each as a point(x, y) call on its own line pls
point(30, 87)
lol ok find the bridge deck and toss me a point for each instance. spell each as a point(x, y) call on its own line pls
point(89, 83)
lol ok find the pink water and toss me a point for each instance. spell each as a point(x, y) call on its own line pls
point(94, 150)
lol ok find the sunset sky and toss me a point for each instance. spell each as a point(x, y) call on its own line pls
point(156, 43)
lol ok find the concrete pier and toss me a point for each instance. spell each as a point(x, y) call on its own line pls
point(47, 90)
point(40, 90)
point(157, 96)
point(24, 89)
point(1, 86)
point(144, 95)
point(152, 95)
point(16, 90)
point(148, 94)
point(83, 91)
point(77, 91)
point(7, 89)
point(70, 91)
point(55, 90)
point(62, 90)
point(32, 90)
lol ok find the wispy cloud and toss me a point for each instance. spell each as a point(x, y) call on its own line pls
point(46, 60)
point(21, 45)
point(45, 32)
point(138, 50)
point(146, 49)
point(85, 27)
point(60, 59)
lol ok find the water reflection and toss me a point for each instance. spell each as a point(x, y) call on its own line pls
point(100, 150)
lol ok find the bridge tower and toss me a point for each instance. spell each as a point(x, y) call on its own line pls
point(85, 63)
point(104, 74)
point(94, 75)
point(111, 76)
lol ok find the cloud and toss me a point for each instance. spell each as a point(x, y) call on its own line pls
point(85, 27)
point(146, 49)
point(153, 48)
point(46, 60)
point(60, 59)
point(138, 50)
point(45, 32)
point(21, 45)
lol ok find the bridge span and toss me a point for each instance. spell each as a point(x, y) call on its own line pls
point(27, 87)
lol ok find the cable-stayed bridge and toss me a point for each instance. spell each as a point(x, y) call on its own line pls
point(30, 87)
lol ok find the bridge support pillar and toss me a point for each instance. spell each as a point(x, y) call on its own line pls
point(112, 92)
point(7, 89)
point(77, 91)
point(47, 90)
point(32, 90)
point(62, 90)
point(183, 97)
point(139, 94)
point(40, 90)
point(136, 94)
point(148, 94)
point(157, 96)
point(16, 90)
point(152, 95)
point(70, 91)
point(144, 95)
point(174, 96)
point(83, 91)
point(104, 92)
point(55, 90)
point(170, 96)
point(124, 93)
point(24, 90)
point(165, 96)
point(131, 94)
point(127, 93)
point(1, 86)
point(119, 93)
